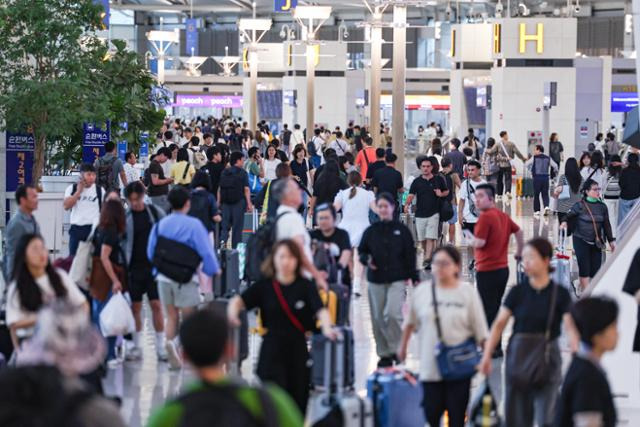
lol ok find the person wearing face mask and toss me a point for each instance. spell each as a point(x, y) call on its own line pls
point(289, 307)
point(539, 308)
point(460, 309)
point(388, 252)
point(588, 219)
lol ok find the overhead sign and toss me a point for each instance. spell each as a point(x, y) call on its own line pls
point(93, 140)
point(208, 101)
point(538, 37)
point(623, 102)
point(284, 5)
point(420, 102)
point(19, 159)
point(191, 33)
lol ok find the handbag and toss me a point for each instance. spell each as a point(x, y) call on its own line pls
point(80, 269)
point(99, 281)
point(177, 268)
point(456, 362)
point(255, 186)
point(529, 363)
point(446, 208)
point(599, 243)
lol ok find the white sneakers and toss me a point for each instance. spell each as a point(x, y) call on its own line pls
point(536, 214)
point(546, 211)
point(175, 361)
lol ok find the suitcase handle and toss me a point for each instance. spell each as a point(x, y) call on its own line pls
point(562, 241)
point(339, 371)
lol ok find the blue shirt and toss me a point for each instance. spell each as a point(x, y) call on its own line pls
point(189, 231)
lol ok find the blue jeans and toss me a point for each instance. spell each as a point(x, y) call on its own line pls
point(77, 234)
point(96, 309)
point(624, 207)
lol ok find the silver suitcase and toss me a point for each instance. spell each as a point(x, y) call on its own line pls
point(327, 405)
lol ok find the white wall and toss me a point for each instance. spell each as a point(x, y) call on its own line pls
point(330, 101)
point(517, 94)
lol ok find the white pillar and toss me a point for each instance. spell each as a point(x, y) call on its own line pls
point(253, 89)
point(374, 87)
point(399, 73)
point(310, 89)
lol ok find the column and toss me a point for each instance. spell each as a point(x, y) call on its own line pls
point(253, 88)
point(399, 66)
point(374, 88)
point(310, 90)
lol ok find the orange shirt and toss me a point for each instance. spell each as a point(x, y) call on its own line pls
point(361, 161)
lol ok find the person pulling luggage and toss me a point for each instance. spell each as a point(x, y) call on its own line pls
point(289, 306)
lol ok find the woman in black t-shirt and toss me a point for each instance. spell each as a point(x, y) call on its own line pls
point(289, 306)
point(586, 398)
point(529, 304)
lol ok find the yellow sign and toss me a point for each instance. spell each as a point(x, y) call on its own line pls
point(538, 37)
point(497, 38)
point(245, 61)
point(452, 53)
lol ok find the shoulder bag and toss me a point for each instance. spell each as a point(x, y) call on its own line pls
point(599, 242)
point(177, 268)
point(456, 362)
point(529, 363)
point(446, 208)
point(81, 265)
point(285, 307)
point(99, 281)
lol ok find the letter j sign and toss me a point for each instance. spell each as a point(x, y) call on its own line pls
point(285, 5)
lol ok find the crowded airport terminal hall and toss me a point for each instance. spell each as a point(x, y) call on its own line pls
point(319, 213)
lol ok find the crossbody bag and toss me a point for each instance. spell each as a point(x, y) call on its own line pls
point(455, 362)
point(285, 307)
point(599, 242)
point(529, 363)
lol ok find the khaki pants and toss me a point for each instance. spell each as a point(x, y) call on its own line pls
point(385, 300)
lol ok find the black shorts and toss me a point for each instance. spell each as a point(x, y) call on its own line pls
point(471, 226)
point(142, 283)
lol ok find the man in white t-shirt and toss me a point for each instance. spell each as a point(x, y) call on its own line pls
point(84, 199)
point(468, 213)
point(339, 144)
point(130, 172)
point(290, 225)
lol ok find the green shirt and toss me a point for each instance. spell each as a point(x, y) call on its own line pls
point(170, 414)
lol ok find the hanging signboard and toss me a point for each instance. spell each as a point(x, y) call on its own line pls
point(93, 140)
point(19, 159)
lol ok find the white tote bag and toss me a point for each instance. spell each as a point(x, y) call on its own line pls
point(81, 266)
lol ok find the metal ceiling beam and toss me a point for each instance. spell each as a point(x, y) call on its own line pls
point(178, 8)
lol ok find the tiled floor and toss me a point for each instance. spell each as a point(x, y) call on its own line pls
point(145, 385)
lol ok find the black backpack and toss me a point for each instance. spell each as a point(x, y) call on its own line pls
point(259, 247)
point(201, 208)
point(231, 186)
point(311, 148)
point(104, 173)
point(218, 405)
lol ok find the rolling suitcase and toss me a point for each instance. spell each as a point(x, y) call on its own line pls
point(343, 296)
point(410, 221)
point(561, 264)
point(318, 356)
point(228, 283)
point(397, 398)
point(337, 405)
point(250, 225)
point(330, 302)
point(241, 334)
point(519, 187)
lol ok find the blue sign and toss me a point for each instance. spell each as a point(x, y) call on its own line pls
point(122, 149)
point(93, 140)
point(144, 146)
point(284, 5)
point(19, 159)
point(191, 32)
point(623, 102)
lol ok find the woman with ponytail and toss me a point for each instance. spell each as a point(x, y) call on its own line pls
point(355, 203)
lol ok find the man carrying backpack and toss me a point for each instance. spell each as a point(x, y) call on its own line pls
point(108, 168)
point(214, 399)
point(84, 199)
point(177, 245)
point(314, 148)
point(468, 213)
point(286, 139)
point(235, 198)
point(196, 157)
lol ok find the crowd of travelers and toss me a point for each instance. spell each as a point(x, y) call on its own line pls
point(314, 214)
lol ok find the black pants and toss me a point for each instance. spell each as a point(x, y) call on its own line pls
point(450, 396)
point(491, 286)
point(283, 361)
point(540, 187)
point(233, 217)
point(77, 234)
point(589, 257)
point(504, 174)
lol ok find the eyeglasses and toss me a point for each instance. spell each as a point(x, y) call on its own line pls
point(441, 263)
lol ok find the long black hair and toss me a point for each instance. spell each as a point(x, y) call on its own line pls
point(572, 173)
point(28, 290)
point(329, 182)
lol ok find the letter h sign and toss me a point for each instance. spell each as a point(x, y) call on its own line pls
point(538, 37)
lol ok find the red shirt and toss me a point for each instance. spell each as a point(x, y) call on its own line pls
point(361, 161)
point(495, 228)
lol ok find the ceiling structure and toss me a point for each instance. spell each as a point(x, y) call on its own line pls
point(355, 10)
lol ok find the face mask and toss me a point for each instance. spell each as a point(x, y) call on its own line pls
point(592, 199)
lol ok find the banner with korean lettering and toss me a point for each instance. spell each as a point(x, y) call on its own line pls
point(144, 146)
point(191, 33)
point(93, 140)
point(19, 159)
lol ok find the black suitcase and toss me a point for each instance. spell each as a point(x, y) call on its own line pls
point(227, 284)
point(318, 356)
point(343, 294)
point(242, 341)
